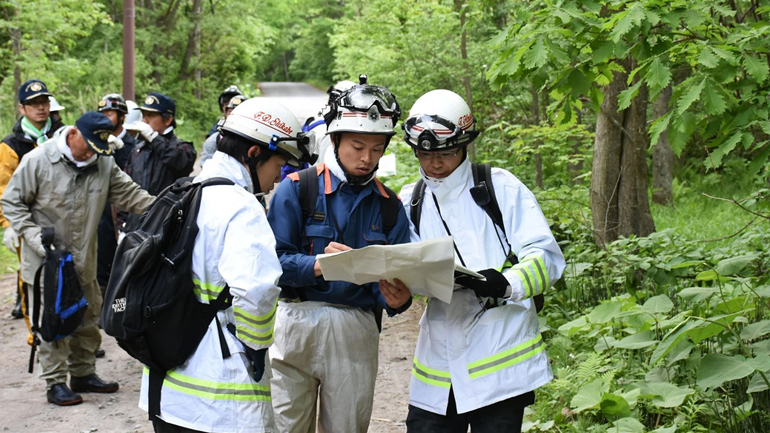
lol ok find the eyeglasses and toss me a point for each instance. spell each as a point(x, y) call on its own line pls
point(429, 156)
point(38, 103)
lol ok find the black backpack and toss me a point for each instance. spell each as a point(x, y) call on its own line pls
point(308, 198)
point(63, 300)
point(483, 194)
point(149, 304)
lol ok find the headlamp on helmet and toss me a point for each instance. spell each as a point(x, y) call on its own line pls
point(432, 132)
point(439, 119)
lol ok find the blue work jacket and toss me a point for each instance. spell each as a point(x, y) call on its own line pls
point(343, 213)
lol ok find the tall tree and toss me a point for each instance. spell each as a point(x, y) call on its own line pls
point(624, 51)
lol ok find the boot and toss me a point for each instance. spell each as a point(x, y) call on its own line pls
point(17, 313)
point(92, 383)
point(60, 395)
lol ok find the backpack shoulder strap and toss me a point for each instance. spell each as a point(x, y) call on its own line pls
point(483, 173)
point(216, 181)
point(308, 191)
point(389, 207)
point(415, 205)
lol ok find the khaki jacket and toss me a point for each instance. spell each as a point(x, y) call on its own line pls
point(47, 190)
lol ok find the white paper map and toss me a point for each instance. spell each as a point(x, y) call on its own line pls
point(427, 267)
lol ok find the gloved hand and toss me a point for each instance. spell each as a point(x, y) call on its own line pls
point(257, 358)
point(115, 142)
point(11, 239)
point(145, 129)
point(38, 246)
point(493, 286)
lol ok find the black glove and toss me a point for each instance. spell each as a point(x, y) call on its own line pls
point(494, 286)
point(257, 358)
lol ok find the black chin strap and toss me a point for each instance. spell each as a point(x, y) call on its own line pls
point(352, 179)
point(252, 163)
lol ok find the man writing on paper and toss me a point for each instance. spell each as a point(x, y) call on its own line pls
point(326, 338)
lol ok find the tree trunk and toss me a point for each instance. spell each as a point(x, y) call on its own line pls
point(619, 198)
point(193, 43)
point(662, 155)
point(16, 44)
point(459, 5)
point(535, 121)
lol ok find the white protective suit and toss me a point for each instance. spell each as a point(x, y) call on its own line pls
point(484, 356)
point(234, 246)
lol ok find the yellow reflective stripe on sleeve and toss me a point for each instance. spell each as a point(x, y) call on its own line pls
point(533, 275)
point(431, 376)
point(525, 278)
point(206, 292)
point(506, 359)
point(255, 329)
point(215, 390)
point(253, 319)
point(249, 335)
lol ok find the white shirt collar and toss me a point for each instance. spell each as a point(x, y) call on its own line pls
point(64, 148)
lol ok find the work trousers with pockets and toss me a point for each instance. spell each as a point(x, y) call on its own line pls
point(323, 352)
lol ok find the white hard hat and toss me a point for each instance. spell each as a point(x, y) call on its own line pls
point(364, 109)
point(440, 119)
point(55, 104)
point(343, 85)
point(270, 124)
point(134, 114)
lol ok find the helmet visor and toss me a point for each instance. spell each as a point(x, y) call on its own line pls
point(432, 132)
point(363, 97)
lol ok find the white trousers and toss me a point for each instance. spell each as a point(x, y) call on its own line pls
point(324, 356)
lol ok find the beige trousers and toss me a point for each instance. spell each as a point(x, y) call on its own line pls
point(325, 357)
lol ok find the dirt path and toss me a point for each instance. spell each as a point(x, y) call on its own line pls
point(24, 407)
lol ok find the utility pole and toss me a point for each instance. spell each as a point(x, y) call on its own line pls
point(129, 16)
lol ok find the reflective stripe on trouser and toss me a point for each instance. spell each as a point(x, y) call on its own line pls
point(75, 353)
point(507, 358)
point(252, 329)
point(328, 349)
point(210, 390)
point(533, 274)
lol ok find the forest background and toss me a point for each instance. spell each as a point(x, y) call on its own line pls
point(641, 126)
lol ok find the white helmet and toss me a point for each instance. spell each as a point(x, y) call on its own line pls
point(55, 104)
point(440, 119)
point(134, 114)
point(363, 109)
point(270, 124)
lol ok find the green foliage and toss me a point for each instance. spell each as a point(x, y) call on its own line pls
point(709, 51)
point(564, 148)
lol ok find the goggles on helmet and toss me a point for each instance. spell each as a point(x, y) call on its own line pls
point(113, 101)
point(304, 145)
point(363, 97)
point(431, 132)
